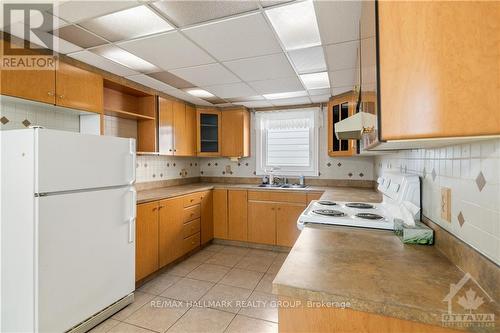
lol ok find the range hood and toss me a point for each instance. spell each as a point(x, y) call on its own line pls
point(355, 126)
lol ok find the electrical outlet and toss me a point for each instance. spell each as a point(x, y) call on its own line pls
point(446, 203)
point(228, 168)
point(184, 173)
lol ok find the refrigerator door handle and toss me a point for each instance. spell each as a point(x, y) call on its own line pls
point(133, 154)
point(132, 219)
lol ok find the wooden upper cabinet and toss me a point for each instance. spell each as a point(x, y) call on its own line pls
point(165, 126)
point(208, 132)
point(79, 89)
point(179, 110)
point(237, 226)
point(35, 85)
point(235, 130)
point(286, 223)
point(146, 240)
point(190, 131)
point(439, 68)
point(339, 108)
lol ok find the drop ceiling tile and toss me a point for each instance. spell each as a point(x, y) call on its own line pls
point(215, 100)
point(78, 36)
point(316, 92)
point(320, 98)
point(206, 75)
point(344, 77)
point(268, 67)
point(172, 80)
point(231, 90)
point(269, 3)
point(255, 104)
point(150, 82)
point(184, 13)
point(187, 97)
point(308, 60)
point(342, 55)
point(236, 38)
point(168, 51)
point(246, 99)
point(125, 58)
point(291, 101)
point(64, 47)
point(340, 90)
point(103, 63)
point(277, 86)
point(338, 20)
point(76, 11)
point(127, 24)
point(224, 105)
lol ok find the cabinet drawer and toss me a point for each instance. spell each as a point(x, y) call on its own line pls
point(191, 228)
point(191, 213)
point(192, 199)
point(191, 243)
point(277, 196)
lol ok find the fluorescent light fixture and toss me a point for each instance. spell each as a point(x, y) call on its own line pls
point(126, 24)
point(316, 80)
point(295, 25)
point(285, 95)
point(197, 92)
point(125, 58)
point(309, 60)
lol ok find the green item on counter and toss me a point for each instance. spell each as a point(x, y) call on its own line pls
point(417, 234)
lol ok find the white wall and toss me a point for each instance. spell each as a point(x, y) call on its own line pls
point(459, 168)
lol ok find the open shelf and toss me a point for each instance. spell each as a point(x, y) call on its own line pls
point(126, 114)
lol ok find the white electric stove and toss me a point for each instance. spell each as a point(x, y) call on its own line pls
point(401, 200)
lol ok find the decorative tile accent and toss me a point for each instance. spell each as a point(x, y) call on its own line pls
point(246, 164)
point(361, 174)
point(461, 219)
point(339, 164)
point(434, 174)
point(328, 164)
point(26, 122)
point(480, 181)
point(4, 120)
point(350, 174)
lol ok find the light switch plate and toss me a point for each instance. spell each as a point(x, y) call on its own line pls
point(446, 204)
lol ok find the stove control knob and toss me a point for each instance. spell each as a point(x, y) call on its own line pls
point(387, 183)
point(380, 180)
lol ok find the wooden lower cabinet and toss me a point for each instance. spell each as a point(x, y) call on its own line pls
point(262, 222)
point(286, 223)
point(146, 244)
point(237, 225)
point(220, 213)
point(207, 221)
point(170, 229)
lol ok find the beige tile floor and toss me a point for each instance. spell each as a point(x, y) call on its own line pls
point(218, 289)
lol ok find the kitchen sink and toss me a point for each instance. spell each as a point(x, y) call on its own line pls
point(282, 186)
point(270, 185)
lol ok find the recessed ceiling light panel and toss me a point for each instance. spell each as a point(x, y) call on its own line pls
point(316, 80)
point(125, 58)
point(295, 25)
point(199, 93)
point(285, 95)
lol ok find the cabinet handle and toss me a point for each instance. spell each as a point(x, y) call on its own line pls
point(175, 150)
point(61, 96)
point(50, 93)
point(192, 200)
point(154, 209)
point(272, 208)
point(161, 207)
point(279, 208)
point(192, 214)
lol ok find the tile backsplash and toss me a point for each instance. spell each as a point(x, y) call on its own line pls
point(17, 113)
point(356, 168)
point(121, 127)
point(152, 168)
point(472, 172)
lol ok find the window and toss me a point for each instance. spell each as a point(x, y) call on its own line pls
point(287, 142)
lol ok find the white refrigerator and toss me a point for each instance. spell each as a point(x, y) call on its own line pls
point(67, 228)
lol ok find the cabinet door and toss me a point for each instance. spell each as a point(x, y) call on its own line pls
point(179, 110)
point(79, 89)
point(262, 222)
point(220, 213)
point(207, 221)
point(235, 133)
point(286, 223)
point(339, 108)
point(190, 131)
point(166, 126)
point(208, 136)
point(237, 215)
point(146, 243)
point(170, 230)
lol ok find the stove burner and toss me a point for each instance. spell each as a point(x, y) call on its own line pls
point(358, 205)
point(328, 212)
point(369, 216)
point(326, 203)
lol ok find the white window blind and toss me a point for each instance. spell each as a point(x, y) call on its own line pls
point(287, 142)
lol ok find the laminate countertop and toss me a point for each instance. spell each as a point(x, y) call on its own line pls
point(373, 271)
point(338, 193)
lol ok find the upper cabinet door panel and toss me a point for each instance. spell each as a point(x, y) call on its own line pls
point(166, 126)
point(179, 109)
point(235, 138)
point(78, 88)
point(208, 136)
point(442, 76)
point(190, 131)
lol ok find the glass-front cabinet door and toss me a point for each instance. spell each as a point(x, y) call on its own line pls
point(209, 132)
point(339, 108)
